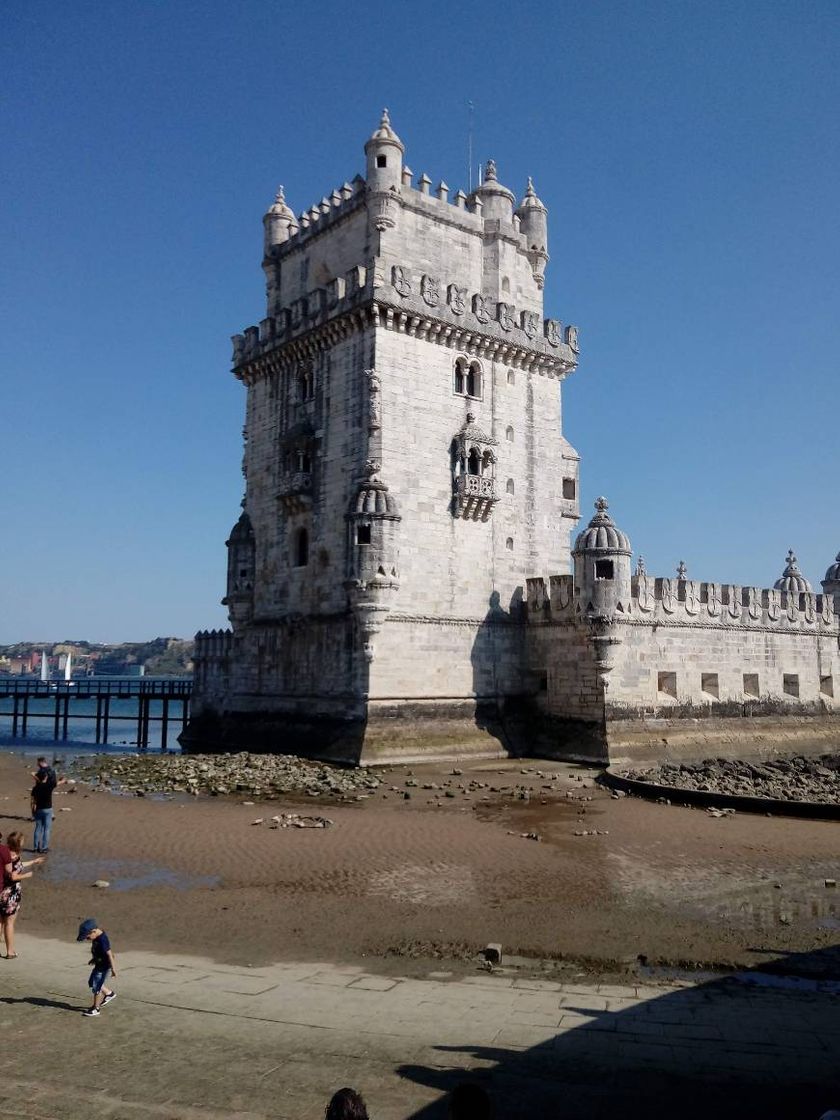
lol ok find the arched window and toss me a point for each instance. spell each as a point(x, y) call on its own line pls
point(306, 384)
point(509, 544)
point(467, 381)
point(511, 377)
point(301, 550)
point(509, 434)
point(509, 486)
point(473, 462)
point(460, 368)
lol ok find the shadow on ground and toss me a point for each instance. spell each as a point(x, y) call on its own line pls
point(753, 1044)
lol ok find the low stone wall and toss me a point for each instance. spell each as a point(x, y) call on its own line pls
point(654, 741)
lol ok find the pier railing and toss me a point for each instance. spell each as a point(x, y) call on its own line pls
point(62, 697)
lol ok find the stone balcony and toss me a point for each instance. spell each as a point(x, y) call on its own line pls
point(295, 491)
point(475, 496)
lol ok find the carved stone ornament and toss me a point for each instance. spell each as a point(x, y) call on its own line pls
point(457, 299)
point(480, 308)
point(400, 280)
point(430, 290)
point(713, 599)
point(530, 323)
point(754, 602)
point(669, 598)
point(647, 600)
point(564, 593)
point(374, 409)
point(371, 469)
point(505, 315)
point(540, 596)
point(553, 332)
point(692, 596)
point(735, 601)
point(572, 339)
point(774, 605)
point(810, 611)
point(827, 610)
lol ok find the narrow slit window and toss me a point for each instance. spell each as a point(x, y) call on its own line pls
point(301, 548)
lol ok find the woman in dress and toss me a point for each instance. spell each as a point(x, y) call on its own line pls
point(13, 873)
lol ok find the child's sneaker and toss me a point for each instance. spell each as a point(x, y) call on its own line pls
point(108, 998)
point(91, 1011)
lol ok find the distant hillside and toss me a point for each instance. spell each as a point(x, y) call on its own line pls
point(171, 657)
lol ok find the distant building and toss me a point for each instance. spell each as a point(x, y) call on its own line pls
point(401, 581)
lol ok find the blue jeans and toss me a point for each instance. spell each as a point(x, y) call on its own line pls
point(43, 827)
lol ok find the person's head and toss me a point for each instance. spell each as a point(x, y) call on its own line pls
point(14, 842)
point(469, 1101)
point(346, 1104)
point(43, 764)
point(88, 930)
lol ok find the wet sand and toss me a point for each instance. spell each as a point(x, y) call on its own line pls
point(396, 879)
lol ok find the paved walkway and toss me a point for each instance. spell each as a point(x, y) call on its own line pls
point(190, 1038)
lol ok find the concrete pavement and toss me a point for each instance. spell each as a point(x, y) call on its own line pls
point(190, 1038)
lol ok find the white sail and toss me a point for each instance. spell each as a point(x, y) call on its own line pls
point(45, 669)
point(68, 667)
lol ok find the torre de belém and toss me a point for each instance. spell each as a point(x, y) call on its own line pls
point(402, 582)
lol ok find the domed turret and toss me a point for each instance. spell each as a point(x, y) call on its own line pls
point(241, 546)
point(533, 219)
point(384, 151)
point(791, 579)
point(279, 222)
point(496, 201)
point(831, 583)
point(602, 566)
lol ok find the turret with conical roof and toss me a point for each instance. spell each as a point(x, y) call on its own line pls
point(384, 151)
point(496, 200)
point(533, 222)
point(279, 222)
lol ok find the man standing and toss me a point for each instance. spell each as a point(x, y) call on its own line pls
point(42, 810)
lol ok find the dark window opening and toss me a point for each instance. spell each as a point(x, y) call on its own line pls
point(381, 161)
point(666, 683)
point(459, 377)
point(471, 383)
point(751, 684)
point(604, 569)
point(543, 682)
point(569, 489)
point(243, 572)
point(301, 548)
point(473, 462)
point(363, 534)
point(790, 684)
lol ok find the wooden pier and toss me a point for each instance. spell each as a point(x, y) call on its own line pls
point(172, 697)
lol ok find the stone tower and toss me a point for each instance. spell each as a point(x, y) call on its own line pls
point(405, 470)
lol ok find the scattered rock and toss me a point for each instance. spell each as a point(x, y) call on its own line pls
point(780, 779)
point(101, 884)
point(259, 820)
point(831, 882)
point(65, 809)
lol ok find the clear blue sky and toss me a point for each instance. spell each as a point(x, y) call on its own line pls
point(689, 157)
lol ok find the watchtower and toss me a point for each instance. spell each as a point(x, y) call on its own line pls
point(405, 470)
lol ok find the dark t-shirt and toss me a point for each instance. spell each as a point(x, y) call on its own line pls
point(42, 795)
point(5, 860)
point(99, 949)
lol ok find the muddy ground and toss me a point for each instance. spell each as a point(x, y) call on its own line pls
point(435, 875)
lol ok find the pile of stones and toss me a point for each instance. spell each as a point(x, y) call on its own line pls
point(255, 775)
point(783, 779)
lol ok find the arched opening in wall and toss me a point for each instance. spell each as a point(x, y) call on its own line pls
point(460, 376)
point(473, 462)
point(509, 544)
point(473, 383)
point(505, 284)
point(301, 548)
point(510, 487)
point(511, 377)
point(306, 385)
point(509, 434)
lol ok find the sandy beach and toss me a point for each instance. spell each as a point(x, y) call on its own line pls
point(397, 880)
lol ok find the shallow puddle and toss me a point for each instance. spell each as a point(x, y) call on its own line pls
point(121, 874)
